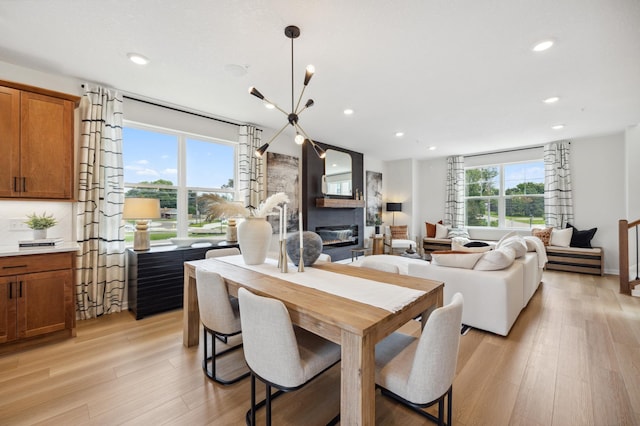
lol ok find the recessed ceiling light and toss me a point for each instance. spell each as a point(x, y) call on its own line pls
point(558, 127)
point(432, 148)
point(236, 70)
point(348, 111)
point(137, 58)
point(551, 100)
point(399, 134)
point(543, 45)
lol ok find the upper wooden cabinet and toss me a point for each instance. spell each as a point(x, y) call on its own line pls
point(36, 142)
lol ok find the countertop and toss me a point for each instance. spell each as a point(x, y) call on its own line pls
point(14, 250)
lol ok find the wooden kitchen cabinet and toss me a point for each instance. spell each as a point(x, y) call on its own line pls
point(36, 295)
point(36, 142)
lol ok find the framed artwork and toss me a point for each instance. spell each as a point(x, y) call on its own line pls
point(374, 197)
point(282, 176)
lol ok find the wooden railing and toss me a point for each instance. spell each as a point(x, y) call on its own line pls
point(624, 226)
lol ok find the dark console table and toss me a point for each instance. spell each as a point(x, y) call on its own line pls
point(156, 276)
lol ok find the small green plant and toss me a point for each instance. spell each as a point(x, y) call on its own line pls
point(43, 221)
point(377, 221)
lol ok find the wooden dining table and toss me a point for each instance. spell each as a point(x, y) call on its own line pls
point(356, 326)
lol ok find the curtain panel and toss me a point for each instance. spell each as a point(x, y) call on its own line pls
point(558, 200)
point(100, 263)
point(454, 203)
point(251, 183)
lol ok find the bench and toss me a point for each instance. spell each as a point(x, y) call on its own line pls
point(569, 259)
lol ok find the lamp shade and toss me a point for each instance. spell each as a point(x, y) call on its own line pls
point(141, 208)
point(394, 207)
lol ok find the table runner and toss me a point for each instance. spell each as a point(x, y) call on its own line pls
point(382, 295)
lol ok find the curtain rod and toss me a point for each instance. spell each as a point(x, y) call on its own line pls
point(504, 151)
point(172, 108)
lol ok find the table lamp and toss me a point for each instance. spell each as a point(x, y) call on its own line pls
point(141, 210)
point(394, 207)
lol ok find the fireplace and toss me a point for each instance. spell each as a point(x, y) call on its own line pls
point(338, 235)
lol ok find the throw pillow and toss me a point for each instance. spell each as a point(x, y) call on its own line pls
point(399, 232)
point(561, 237)
point(477, 244)
point(505, 236)
point(441, 231)
point(456, 246)
point(581, 239)
point(543, 233)
point(517, 243)
point(455, 259)
point(495, 260)
point(431, 229)
point(458, 232)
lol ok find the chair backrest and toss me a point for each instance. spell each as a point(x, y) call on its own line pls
point(215, 308)
point(270, 345)
point(380, 266)
point(436, 356)
point(398, 232)
point(230, 251)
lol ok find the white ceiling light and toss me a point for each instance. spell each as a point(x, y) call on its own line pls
point(432, 148)
point(551, 100)
point(348, 111)
point(138, 59)
point(543, 45)
point(399, 134)
point(558, 127)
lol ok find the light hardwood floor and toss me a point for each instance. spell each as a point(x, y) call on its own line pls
point(572, 358)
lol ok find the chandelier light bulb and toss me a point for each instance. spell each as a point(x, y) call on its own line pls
point(299, 139)
point(309, 73)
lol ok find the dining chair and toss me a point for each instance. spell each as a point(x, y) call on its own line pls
point(380, 266)
point(418, 372)
point(229, 251)
point(278, 354)
point(220, 317)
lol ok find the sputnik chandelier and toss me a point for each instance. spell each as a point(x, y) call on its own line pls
point(292, 117)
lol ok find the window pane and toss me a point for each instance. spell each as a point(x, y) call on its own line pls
point(524, 212)
point(524, 178)
point(482, 212)
point(210, 164)
point(482, 181)
point(149, 157)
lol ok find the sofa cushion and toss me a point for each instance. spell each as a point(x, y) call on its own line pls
point(543, 233)
point(517, 243)
point(431, 229)
point(441, 231)
point(561, 237)
point(455, 259)
point(458, 232)
point(495, 260)
point(581, 238)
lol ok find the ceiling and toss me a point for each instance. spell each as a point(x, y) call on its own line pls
point(456, 75)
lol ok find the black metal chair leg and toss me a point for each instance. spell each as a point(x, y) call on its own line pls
point(253, 400)
point(268, 399)
point(441, 411)
point(212, 374)
point(449, 406)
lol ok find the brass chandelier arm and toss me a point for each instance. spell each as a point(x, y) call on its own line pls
point(299, 99)
point(277, 107)
point(277, 134)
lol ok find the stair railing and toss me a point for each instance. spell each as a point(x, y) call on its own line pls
point(626, 286)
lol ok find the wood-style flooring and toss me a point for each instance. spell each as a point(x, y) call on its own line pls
point(572, 358)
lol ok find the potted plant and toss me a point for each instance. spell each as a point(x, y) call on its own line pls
point(40, 224)
point(377, 222)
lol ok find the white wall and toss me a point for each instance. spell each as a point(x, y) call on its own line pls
point(397, 180)
point(632, 154)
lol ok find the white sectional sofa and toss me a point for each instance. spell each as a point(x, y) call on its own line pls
point(493, 299)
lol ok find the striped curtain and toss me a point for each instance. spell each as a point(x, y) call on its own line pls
point(454, 203)
point(100, 263)
point(558, 203)
point(252, 186)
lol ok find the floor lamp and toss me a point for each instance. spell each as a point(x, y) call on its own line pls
point(394, 207)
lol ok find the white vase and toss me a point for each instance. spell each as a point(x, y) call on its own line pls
point(39, 234)
point(254, 237)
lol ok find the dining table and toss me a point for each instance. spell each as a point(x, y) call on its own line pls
point(354, 307)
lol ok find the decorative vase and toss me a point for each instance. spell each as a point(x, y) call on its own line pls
point(254, 237)
point(39, 234)
point(312, 244)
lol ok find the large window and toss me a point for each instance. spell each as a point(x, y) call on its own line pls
point(505, 195)
point(192, 176)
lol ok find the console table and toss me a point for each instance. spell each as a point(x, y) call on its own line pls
point(156, 276)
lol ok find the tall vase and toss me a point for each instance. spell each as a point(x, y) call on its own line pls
point(254, 237)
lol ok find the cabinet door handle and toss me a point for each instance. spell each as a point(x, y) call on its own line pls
point(15, 184)
point(14, 266)
point(10, 290)
point(20, 289)
point(24, 184)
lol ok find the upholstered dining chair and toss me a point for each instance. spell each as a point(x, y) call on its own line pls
point(229, 251)
point(418, 372)
point(380, 266)
point(278, 354)
point(220, 317)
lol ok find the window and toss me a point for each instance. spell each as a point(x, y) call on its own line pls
point(507, 195)
point(192, 176)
